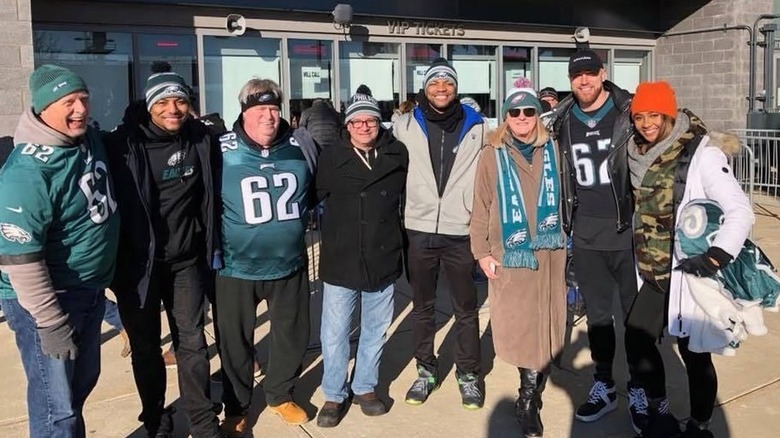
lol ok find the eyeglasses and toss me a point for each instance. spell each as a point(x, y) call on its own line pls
point(528, 112)
point(360, 123)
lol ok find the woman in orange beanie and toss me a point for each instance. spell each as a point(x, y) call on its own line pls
point(673, 159)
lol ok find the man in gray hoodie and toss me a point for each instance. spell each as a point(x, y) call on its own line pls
point(59, 229)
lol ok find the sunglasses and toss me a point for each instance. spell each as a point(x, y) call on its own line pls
point(528, 112)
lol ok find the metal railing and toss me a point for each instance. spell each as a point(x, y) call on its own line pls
point(757, 165)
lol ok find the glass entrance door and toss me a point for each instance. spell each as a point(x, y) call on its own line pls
point(418, 58)
point(311, 72)
point(375, 65)
point(229, 63)
point(477, 78)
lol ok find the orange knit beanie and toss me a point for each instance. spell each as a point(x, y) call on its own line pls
point(657, 97)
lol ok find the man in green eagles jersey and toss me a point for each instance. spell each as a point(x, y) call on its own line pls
point(266, 187)
point(58, 238)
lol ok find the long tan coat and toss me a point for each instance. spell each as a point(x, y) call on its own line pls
point(527, 308)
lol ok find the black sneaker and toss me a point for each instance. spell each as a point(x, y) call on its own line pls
point(470, 393)
point(422, 387)
point(695, 429)
point(637, 408)
point(602, 400)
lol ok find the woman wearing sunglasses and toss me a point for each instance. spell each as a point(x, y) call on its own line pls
point(516, 237)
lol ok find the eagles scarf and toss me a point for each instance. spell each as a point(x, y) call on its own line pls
point(518, 246)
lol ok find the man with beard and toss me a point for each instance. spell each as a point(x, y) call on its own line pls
point(593, 128)
point(443, 137)
point(161, 159)
point(266, 186)
point(58, 238)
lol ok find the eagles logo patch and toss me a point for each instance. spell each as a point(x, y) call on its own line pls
point(517, 238)
point(14, 233)
point(177, 158)
point(549, 222)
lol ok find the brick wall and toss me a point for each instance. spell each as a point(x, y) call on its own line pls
point(16, 61)
point(710, 71)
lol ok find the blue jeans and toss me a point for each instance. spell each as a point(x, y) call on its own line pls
point(57, 389)
point(111, 316)
point(376, 314)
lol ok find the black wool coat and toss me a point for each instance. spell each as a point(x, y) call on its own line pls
point(362, 234)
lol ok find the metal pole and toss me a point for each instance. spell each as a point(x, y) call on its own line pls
point(753, 45)
point(769, 59)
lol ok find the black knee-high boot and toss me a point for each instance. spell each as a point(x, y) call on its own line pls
point(529, 404)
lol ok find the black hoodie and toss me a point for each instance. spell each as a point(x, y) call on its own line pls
point(138, 205)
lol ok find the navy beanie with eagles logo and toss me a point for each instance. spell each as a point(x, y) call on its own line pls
point(441, 69)
point(361, 104)
point(163, 85)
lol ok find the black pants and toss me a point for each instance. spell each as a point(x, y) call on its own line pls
point(645, 324)
point(288, 309)
point(702, 381)
point(601, 274)
point(183, 293)
point(702, 378)
point(426, 253)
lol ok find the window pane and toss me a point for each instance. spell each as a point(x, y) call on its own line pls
point(229, 63)
point(476, 67)
point(418, 58)
point(310, 73)
point(177, 52)
point(631, 68)
point(375, 65)
point(554, 67)
point(517, 64)
point(102, 59)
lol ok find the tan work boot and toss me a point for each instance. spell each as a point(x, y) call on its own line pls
point(291, 413)
point(234, 427)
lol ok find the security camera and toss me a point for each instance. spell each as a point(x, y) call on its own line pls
point(235, 24)
point(582, 38)
point(342, 14)
point(582, 35)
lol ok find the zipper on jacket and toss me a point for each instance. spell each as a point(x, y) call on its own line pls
point(441, 181)
point(438, 214)
point(679, 307)
point(441, 165)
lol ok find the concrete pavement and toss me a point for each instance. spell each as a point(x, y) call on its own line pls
point(749, 395)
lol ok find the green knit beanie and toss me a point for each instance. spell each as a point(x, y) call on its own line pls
point(521, 98)
point(50, 83)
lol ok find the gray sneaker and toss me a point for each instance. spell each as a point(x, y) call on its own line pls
point(422, 387)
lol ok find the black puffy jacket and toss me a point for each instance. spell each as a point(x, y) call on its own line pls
point(617, 162)
point(323, 123)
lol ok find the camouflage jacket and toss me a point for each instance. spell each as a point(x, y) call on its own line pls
point(656, 201)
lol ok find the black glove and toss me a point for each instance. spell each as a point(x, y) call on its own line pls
point(702, 265)
point(59, 341)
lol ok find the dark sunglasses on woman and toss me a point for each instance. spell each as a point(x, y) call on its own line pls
point(528, 112)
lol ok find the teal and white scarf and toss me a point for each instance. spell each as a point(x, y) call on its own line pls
point(518, 245)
